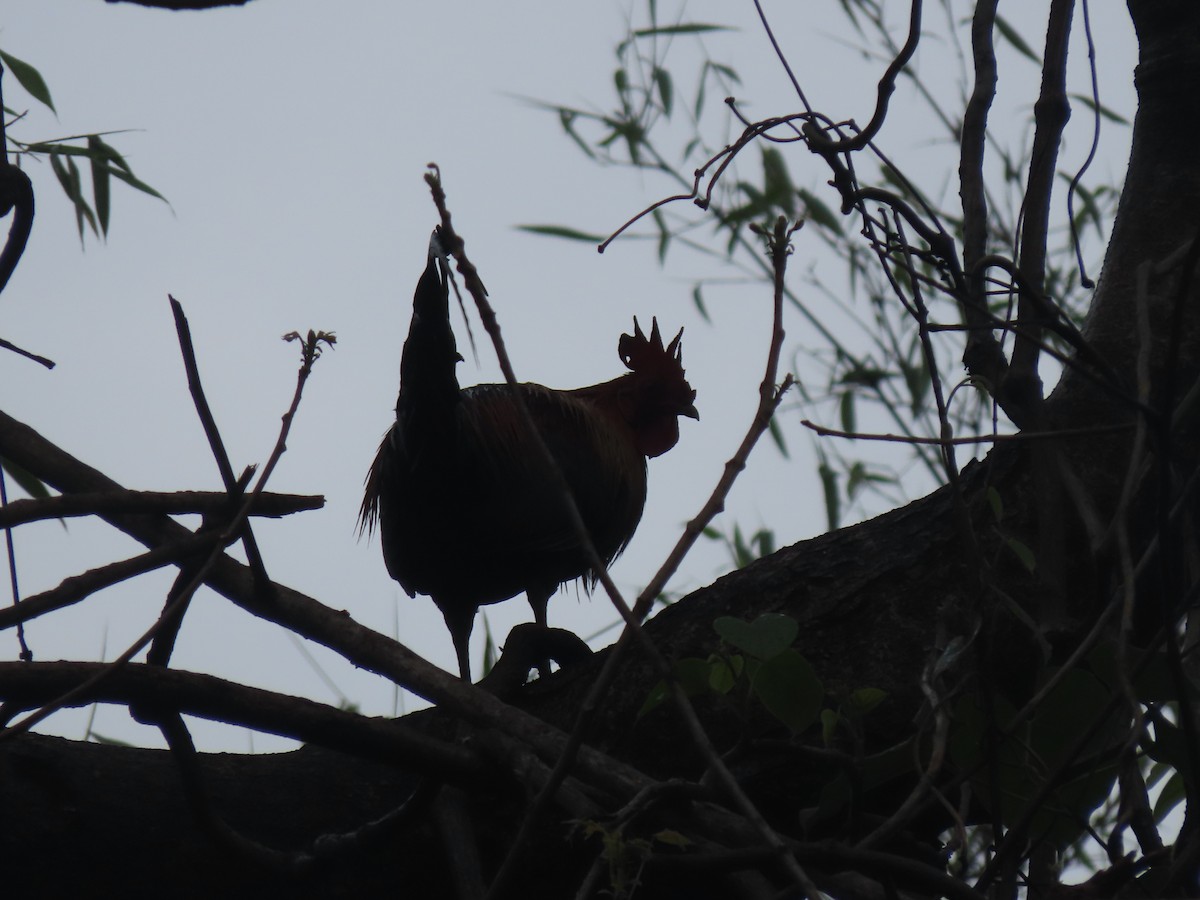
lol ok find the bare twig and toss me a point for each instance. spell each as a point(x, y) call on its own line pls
point(185, 584)
point(41, 360)
point(14, 585)
point(886, 87)
point(79, 587)
point(175, 503)
point(1018, 437)
point(211, 432)
point(779, 54)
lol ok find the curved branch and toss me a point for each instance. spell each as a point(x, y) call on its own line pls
point(16, 193)
point(29, 685)
point(970, 178)
point(887, 87)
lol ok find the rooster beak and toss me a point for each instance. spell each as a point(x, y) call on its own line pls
point(690, 412)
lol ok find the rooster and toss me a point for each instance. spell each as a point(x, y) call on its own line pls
point(465, 511)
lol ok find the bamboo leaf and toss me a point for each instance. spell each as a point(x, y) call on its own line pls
point(666, 90)
point(561, 231)
point(1010, 34)
point(100, 181)
point(1110, 114)
point(29, 78)
point(685, 28)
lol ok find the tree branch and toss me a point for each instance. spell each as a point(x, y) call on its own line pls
point(174, 503)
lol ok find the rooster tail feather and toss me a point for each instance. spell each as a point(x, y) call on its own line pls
point(430, 354)
point(428, 398)
point(428, 402)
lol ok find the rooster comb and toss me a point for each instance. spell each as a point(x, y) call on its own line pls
point(648, 355)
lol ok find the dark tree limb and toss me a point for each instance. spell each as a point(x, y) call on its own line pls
point(174, 503)
point(180, 5)
point(29, 685)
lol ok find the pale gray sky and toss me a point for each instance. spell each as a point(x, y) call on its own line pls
point(291, 139)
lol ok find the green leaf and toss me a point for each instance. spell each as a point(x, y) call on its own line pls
point(1173, 793)
point(29, 78)
point(790, 690)
point(1023, 553)
point(109, 152)
point(1103, 110)
point(863, 700)
point(742, 556)
point(672, 838)
point(27, 481)
point(855, 478)
point(135, 183)
point(1013, 773)
point(996, 503)
point(1171, 747)
point(489, 647)
point(765, 638)
point(875, 770)
point(1089, 210)
point(684, 28)
point(561, 231)
point(829, 724)
point(68, 177)
point(777, 436)
point(1010, 34)
point(692, 673)
point(100, 180)
point(664, 235)
point(82, 210)
point(666, 91)
point(846, 411)
point(621, 83)
point(566, 118)
point(778, 189)
point(724, 672)
point(829, 486)
point(765, 539)
point(867, 376)
point(819, 212)
point(918, 382)
point(698, 300)
point(98, 738)
point(657, 695)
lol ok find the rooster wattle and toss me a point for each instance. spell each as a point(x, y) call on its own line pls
point(465, 512)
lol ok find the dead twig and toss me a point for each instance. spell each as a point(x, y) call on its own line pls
point(174, 503)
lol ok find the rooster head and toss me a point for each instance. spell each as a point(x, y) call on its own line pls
point(661, 393)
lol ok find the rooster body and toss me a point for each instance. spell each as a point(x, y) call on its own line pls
point(465, 510)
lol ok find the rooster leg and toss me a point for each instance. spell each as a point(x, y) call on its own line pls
point(539, 599)
point(460, 620)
